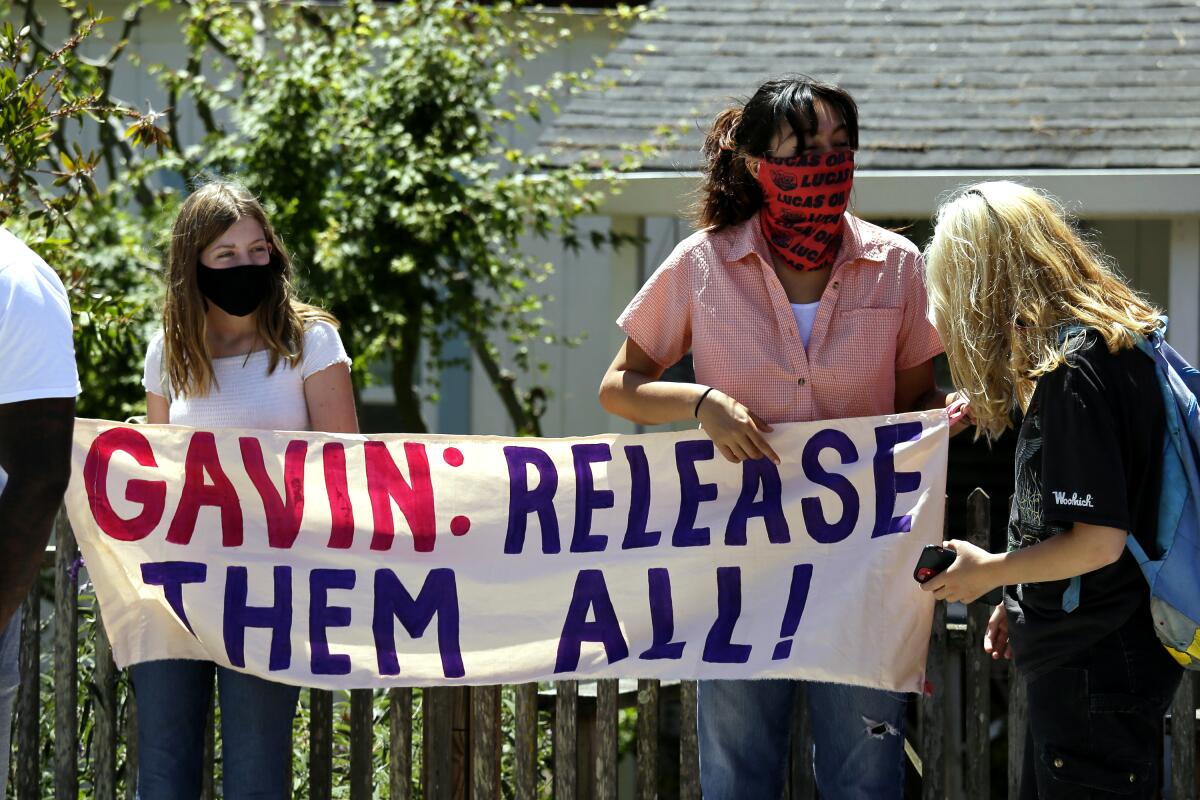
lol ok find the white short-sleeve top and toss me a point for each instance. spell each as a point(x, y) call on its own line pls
point(37, 357)
point(244, 395)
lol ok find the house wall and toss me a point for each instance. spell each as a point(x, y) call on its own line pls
point(1184, 286)
point(1141, 249)
point(588, 289)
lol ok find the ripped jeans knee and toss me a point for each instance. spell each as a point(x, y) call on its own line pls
point(858, 737)
point(878, 730)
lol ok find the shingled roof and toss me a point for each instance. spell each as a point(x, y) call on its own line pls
point(941, 84)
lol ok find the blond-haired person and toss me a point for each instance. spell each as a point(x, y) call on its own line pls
point(1033, 316)
point(237, 350)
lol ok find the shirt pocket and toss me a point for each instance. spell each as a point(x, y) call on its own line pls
point(862, 341)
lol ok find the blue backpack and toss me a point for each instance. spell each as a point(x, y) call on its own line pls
point(1174, 576)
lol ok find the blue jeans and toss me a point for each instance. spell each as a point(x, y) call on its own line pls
point(173, 698)
point(10, 678)
point(745, 732)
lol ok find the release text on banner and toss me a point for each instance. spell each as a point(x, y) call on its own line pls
point(371, 561)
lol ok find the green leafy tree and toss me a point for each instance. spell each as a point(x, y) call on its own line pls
point(379, 137)
point(49, 195)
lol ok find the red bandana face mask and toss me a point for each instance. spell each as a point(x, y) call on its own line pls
point(804, 198)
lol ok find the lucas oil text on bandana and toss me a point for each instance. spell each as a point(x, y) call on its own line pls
point(804, 200)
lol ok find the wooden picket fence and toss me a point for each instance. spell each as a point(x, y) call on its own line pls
point(459, 753)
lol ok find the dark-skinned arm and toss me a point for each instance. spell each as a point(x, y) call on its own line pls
point(35, 452)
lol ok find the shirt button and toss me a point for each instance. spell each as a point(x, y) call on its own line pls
point(1058, 762)
point(835, 284)
point(800, 381)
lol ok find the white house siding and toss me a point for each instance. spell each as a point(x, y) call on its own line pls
point(1140, 248)
point(1184, 283)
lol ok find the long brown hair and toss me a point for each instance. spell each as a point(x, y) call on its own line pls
point(281, 319)
point(730, 194)
point(1008, 277)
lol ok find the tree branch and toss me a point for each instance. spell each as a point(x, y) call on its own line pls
point(110, 134)
point(37, 27)
point(222, 47)
point(523, 412)
point(404, 368)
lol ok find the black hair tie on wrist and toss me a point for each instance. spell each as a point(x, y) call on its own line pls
point(696, 412)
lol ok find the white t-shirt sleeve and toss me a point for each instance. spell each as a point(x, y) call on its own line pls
point(37, 350)
point(152, 369)
point(322, 348)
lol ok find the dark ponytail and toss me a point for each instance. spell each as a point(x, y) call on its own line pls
point(730, 193)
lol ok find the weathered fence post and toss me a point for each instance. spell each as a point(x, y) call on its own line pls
point(485, 742)
point(66, 661)
point(566, 744)
point(437, 704)
point(606, 739)
point(689, 746)
point(400, 712)
point(585, 742)
point(104, 740)
point(977, 762)
point(460, 742)
point(361, 718)
point(525, 742)
point(647, 740)
point(1183, 740)
point(320, 744)
point(29, 699)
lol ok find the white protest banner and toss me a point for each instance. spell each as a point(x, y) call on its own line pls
point(372, 561)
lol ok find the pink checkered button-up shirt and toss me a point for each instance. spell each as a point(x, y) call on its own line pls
point(718, 296)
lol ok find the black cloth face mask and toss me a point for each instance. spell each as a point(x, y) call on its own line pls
point(238, 291)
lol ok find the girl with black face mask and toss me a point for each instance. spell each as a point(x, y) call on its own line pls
point(237, 350)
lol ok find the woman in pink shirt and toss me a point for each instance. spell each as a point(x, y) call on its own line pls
point(794, 310)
